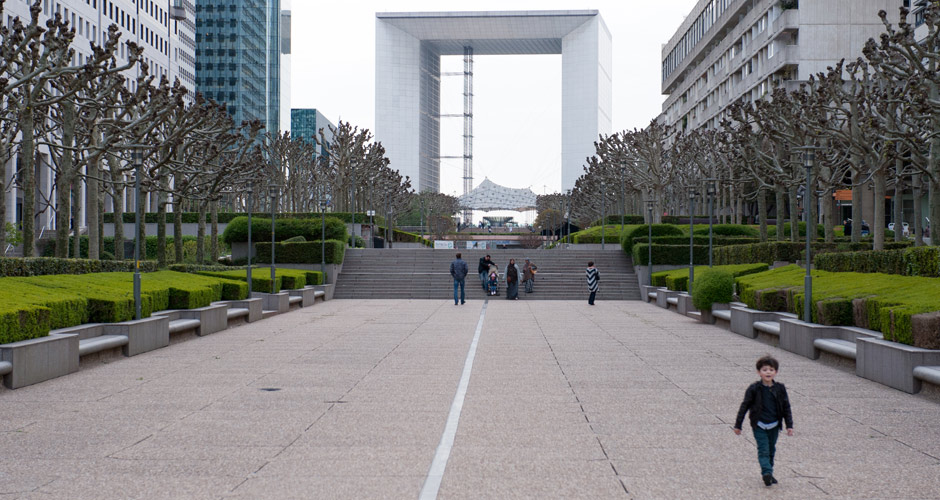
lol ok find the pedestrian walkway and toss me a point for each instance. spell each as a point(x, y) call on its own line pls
point(350, 399)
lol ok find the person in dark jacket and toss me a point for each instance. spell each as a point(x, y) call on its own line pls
point(767, 404)
point(459, 270)
point(484, 270)
point(512, 281)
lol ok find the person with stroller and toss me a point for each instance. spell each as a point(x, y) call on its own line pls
point(493, 282)
point(483, 269)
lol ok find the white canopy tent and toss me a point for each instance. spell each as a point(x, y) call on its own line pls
point(489, 196)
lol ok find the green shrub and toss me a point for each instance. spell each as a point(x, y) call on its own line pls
point(714, 286)
point(729, 230)
point(669, 254)
point(698, 240)
point(295, 239)
point(226, 217)
point(626, 239)
point(611, 234)
point(287, 279)
point(48, 247)
point(301, 253)
point(39, 266)
point(310, 229)
point(772, 230)
point(922, 261)
point(678, 279)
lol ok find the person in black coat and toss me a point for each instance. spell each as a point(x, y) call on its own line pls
point(768, 406)
point(484, 269)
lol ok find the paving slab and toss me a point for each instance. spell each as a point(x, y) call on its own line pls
point(349, 399)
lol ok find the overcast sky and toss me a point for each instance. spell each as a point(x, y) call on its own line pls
point(517, 99)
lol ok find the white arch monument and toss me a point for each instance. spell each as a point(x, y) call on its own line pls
point(408, 50)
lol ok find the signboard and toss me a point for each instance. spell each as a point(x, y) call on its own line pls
point(443, 244)
point(481, 245)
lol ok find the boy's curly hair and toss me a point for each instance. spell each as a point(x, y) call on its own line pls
point(768, 360)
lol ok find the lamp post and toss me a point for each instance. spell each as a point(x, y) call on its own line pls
point(809, 159)
point(691, 237)
point(710, 191)
point(138, 158)
point(272, 191)
point(568, 218)
point(324, 203)
point(623, 166)
point(650, 203)
point(371, 214)
point(250, 207)
point(352, 208)
point(603, 211)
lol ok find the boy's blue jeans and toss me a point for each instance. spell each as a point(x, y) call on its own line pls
point(766, 447)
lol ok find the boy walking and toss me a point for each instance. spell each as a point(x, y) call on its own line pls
point(767, 403)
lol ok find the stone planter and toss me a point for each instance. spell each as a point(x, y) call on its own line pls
point(892, 364)
point(38, 360)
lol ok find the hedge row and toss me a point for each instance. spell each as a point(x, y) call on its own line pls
point(593, 234)
point(882, 302)
point(226, 217)
point(310, 229)
point(31, 306)
point(48, 247)
point(669, 255)
point(285, 279)
point(774, 251)
point(406, 237)
point(630, 234)
point(678, 279)
point(919, 261)
point(301, 253)
point(698, 240)
point(40, 266)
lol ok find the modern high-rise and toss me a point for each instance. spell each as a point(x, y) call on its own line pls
point(729, 49)
point(306, 124)
point(165, 29)
point(238, 57)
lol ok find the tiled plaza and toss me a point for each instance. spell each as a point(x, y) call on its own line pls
point(349, 399)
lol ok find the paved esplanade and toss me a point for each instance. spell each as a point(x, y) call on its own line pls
point(622, 400)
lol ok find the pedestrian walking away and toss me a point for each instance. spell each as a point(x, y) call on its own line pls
point(528, 275)
point(458, 271)
point(483, 269)
point(593, 277)
point(766, 403)
point(512, 281)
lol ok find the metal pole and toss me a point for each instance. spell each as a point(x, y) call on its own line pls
point(138, 156)
point(568, 218)
point(649, 243)
point(352, 210)
point(273, 192)
point(603, 211)
point(323, 236)
point(691, 238)
point(711, 216)
point(623, 201)
point(808, 280)
point(250, 208)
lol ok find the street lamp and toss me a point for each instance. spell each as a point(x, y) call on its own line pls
point(603, 211)
point(250, 207)
point(352, 208)
point(710, 191)
point(324, 203)
point(371, 214)
point(650, 203)
point(568, 218)
point(809, 160)
point(623, 166)
point(691, 237)
point(138, 157)
point(272, 192)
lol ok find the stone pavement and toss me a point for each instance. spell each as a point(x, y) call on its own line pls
point(349, 399)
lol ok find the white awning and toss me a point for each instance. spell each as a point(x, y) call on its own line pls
point(491, 196)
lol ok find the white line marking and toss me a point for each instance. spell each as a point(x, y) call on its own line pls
point(436, 473)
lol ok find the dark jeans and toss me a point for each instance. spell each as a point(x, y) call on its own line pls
point(484, 278)
point(591, 298)
point(766, 448)
point(512, 290)
point(459, 283)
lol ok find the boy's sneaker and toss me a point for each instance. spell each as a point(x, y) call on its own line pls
point(773, 480)
point(768, 479)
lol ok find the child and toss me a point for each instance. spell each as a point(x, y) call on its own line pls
point(767, 402)
point(494, 283)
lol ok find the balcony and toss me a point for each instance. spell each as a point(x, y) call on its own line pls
point(787, 22)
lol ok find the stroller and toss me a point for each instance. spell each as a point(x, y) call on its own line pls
point(492, 282)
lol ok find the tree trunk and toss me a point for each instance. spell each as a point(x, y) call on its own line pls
point(63, 201)
point(161, 229)
point(28, 154)
point(779, 205)
point(201, 235)
point(897, 214)
point(100, 218)
point(77, 216)
point(794, 214)
point(178, 229)
point(117, 196)
point(762, 212)
point(214, 232)
point(141, 203)
point(856, 208)
point(918, 193)
point(91, 190)
point(934, 197)
point(878, 180)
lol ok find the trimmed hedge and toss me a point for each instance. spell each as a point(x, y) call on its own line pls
point(593, 234)
point(150, 250)
point(678, 279)
point(919, 261)
point(301, 253)
point(629, 235)
point(714, 286)
point(40, 266)
point(226, 217)
point(31, 306)
point(406, 237)
point(773, 251)
point(310, 229)
point(772, 230)
point(698, 240)
point(286, 279)
point(729, 230)
point(669, 255)
point(877, 301)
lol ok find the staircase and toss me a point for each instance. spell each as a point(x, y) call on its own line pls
point(425, 274)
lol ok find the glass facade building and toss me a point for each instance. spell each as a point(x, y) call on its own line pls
point(238, 57)
point(306, 123)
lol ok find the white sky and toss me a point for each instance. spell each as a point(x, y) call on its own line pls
point(517, 99)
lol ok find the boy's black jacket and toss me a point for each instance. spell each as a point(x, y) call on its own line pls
point(752, 403)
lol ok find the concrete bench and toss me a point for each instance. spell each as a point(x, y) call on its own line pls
point(252, 306)
point(722, 314)
point(684, 306)
point(100, 343)
point(205, 320)
point(136, 336)
point(709, 317)
point(801, 338)
point(32, 361)
point(294, 300)
point(673, 301)
point(320, 294)
point(744, 321)
point(305, 296)
point(324, 292)
point(273, 303)
point(648, 293)
point(896, 365)
point(930, 374)
point(663, 295)
point(236, 313)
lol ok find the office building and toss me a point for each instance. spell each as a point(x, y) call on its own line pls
point(306, 124)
